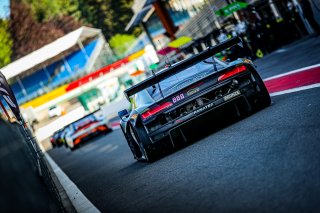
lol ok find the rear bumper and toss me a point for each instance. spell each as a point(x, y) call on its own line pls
point(168, 129)
point(92, 132)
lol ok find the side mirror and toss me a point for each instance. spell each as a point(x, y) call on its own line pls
point(123, 113)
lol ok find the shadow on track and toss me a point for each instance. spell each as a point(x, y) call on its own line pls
point(205, 126)
point(89, 140)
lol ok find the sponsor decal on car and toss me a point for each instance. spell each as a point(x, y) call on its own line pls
point(192, 91)
point(231, 95)
point(178, 98)
point(203, 108)
point(225, 98)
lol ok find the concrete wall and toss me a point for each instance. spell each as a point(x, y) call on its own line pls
point(22, 190)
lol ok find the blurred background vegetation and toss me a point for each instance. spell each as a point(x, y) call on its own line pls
point(5, 43)
point(35, 23)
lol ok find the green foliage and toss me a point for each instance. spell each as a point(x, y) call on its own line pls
point(111, 16)
point(28, 34)
point(121, 42)
point(34, 23)
point(47, 9)
point(5, 43)
point(136, 31)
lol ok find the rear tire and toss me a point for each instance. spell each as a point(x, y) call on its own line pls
point(74, 147)
point(262, 99)
point(53, 145)
point(144, 144)
point(134, 147)
point(69, 140)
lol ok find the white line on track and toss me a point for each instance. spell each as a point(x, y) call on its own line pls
point(116, 127)
point(77, 198)
point(295, 89)
point(281, 50)
point(292, 72)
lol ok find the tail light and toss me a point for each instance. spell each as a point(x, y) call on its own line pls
point(232, 72)
point(156, 109)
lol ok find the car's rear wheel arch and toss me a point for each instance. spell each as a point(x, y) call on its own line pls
point(132, 141)
point(144, 142)
point(263, 98)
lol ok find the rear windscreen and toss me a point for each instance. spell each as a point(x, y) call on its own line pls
point(178, 81)
point(82, 123)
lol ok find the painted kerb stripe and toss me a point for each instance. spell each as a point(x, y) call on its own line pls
point(77, 198)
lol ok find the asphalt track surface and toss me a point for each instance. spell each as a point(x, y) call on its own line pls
point(266, 162)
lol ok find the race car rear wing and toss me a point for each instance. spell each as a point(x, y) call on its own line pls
point(158, 77)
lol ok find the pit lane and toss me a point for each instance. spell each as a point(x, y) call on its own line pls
point(267, 162)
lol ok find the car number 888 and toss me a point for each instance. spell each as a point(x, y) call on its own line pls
point(178, 98)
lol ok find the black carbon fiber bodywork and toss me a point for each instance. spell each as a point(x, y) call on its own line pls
point(191, 101)
point(167, 124)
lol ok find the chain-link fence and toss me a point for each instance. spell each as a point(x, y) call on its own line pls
point(39, 164)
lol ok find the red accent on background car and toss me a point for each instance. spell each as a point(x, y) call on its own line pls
point(97, 129)
point(156, 109)
point(85, 125)
point(232, 72)
point(102, 128)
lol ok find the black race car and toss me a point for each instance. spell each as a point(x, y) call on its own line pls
point(56, 139)
point(190, 90)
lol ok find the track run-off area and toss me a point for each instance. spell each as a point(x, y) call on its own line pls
point(266, 162)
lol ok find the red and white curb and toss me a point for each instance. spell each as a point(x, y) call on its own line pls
point(294, 90)
point(293, 81)
point(293, 71)
point(115, 125)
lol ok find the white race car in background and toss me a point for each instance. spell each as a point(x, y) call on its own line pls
point(85, 128)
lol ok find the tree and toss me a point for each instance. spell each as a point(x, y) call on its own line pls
point(121, 42)
point(28, 34)
point(98, 13)
point(44, 10)
point(111, 16)
point(66, 23)
point(35, 23)
point(122, 14)
point(5, 43)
